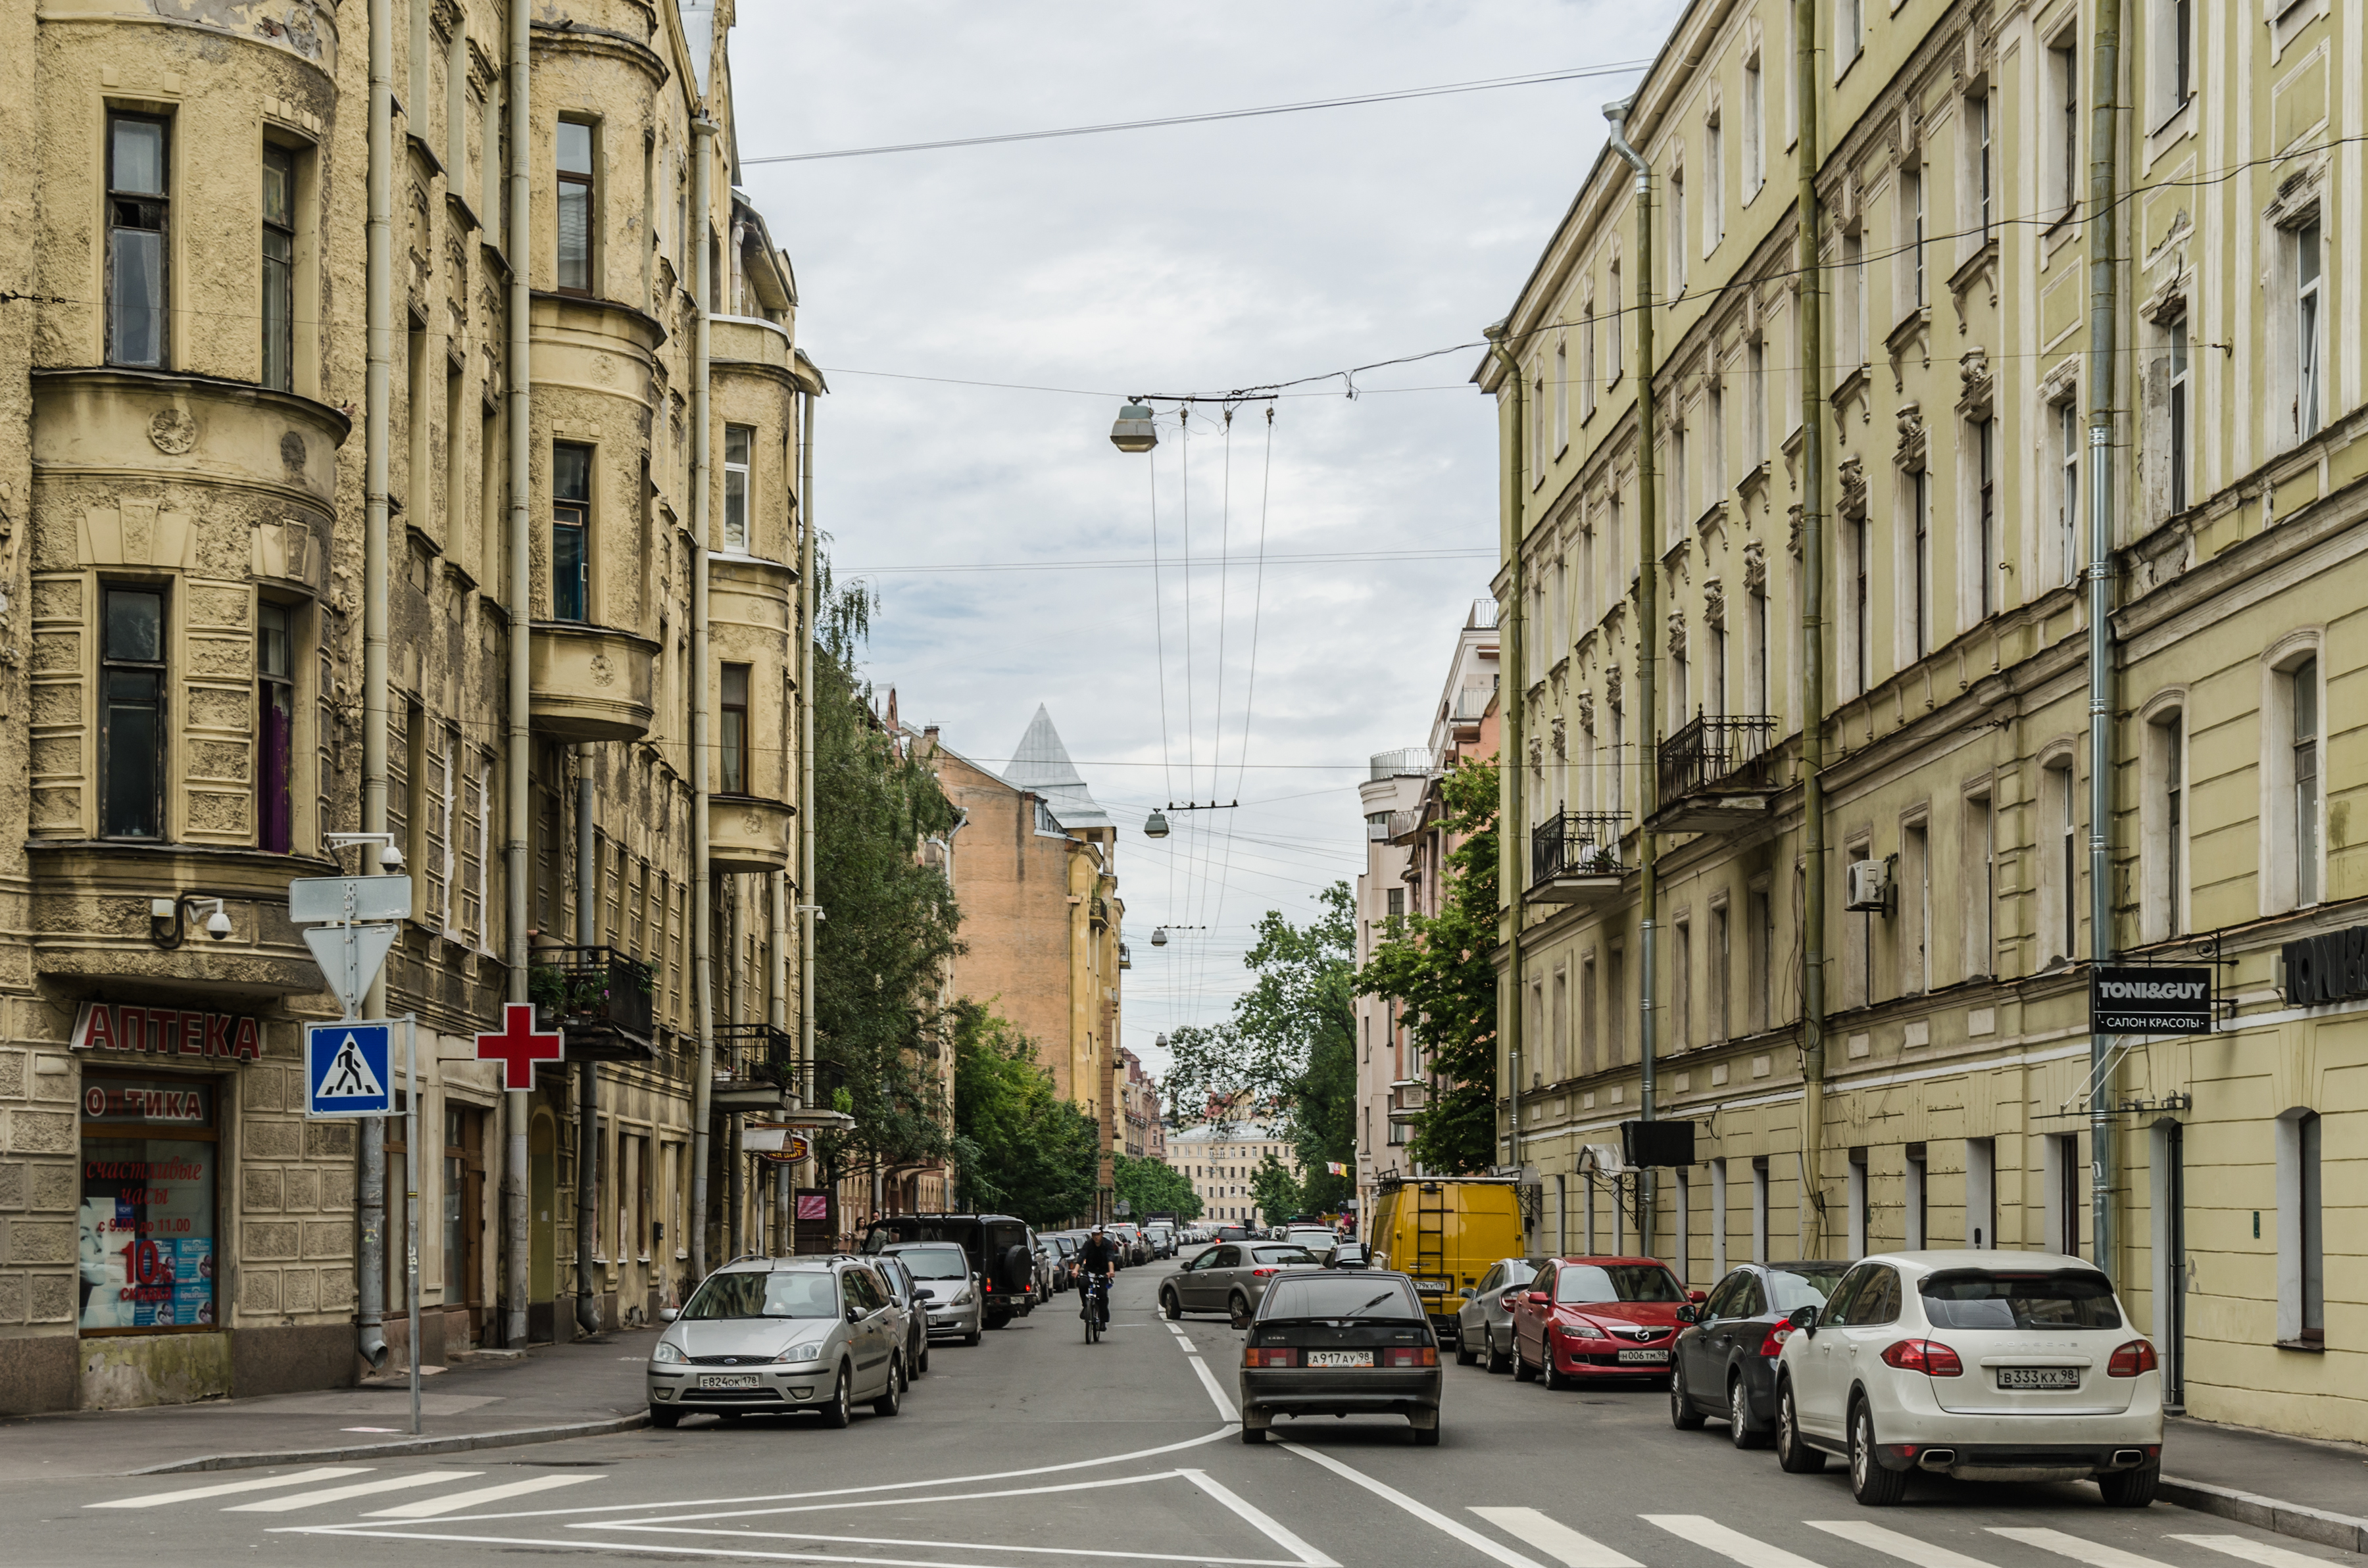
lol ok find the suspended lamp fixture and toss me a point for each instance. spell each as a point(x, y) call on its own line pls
point(1155, 824)
point(1159, 937)
point(1134, 432)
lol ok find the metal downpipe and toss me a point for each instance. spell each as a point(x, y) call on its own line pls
point(519, 763)
point(1648, 659)
point(1812, 635)
point(1512, 872)
point(807, 893)
point(2103, 177)
point(587, 1075)
point(780, 1020)
point(702, 873)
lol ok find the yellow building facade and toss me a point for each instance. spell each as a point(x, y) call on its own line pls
point(1949, 399)
point(214, 654)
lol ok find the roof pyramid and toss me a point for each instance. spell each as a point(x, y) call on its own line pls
point(1041, 763)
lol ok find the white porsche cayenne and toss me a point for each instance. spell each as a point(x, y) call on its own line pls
point(1987, 1366)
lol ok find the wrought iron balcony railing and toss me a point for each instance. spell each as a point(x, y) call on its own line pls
point(1716, 754)
point(757, 1053)
point(593, 989)
point(1577, 844)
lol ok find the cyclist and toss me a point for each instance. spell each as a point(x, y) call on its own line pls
point(1097, 1261)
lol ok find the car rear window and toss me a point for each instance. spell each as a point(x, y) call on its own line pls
point(935, 1263)
point(1983, 1298)
point(1615, 1282)
point(1283, 1255)
point(1330, 1296)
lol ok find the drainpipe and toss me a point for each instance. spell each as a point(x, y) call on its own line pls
point(807, 893)
point(702, 878)
point(518, 768)
point(1512, 828)
point(369, 1294)
point(587, 1076)
point(1648, 659)
point(780, 1019)
point(1813, 633)
point(2104, 129)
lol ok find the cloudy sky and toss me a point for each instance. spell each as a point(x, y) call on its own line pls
point(1197, 258)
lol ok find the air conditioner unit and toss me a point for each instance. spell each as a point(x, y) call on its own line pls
point(1867, 886)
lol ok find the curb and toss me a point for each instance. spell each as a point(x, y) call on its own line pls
point(453, 1445)
point(2339, 1530)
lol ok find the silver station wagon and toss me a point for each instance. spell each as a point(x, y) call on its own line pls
point(774, 1334)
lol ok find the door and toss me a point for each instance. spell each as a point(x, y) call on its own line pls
point(1472, 1317)
point(1208, 1274)
point(543, 1258)
point(1529, 1319)
point(464, 1219)
point(1874, 1326)
point(2170, 1253)
point(1816, 1366)
point(1703, 1353)
point(869, 1332)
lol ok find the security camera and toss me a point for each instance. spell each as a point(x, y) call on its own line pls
point(218, 922)
point(389, 857)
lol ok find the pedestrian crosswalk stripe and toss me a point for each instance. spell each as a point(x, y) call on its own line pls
point(1730, 1544)
point(429, 1507)
point(359, 1489)
point(2094, 1554)
point(2259, 1551)
point(1907, 1548)
point(223, 1489)
point(1556, 1540)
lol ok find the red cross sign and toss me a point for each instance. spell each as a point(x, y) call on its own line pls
point(517, 1048)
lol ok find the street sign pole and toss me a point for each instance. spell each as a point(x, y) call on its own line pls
point(410, 1196)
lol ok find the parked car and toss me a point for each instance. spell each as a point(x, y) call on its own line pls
point(1161, 1236)
point(953, 1304)
point(1133, 1252)
point(1041, 1254)
point(1318, 1238)
point(777, 1334)
point(912, 1304)
point(1595, 1320)
point(998, 1245)
point(1232, 1277)
point(1724, 1361)
point(1348, 1255)
point(1232, 1234)
point(1064, 1260)
point(1333, 1343)
point(1443, 1232)
point(1484, 1324)
point(1978, 1364)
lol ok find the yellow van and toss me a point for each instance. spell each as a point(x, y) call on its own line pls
point(1446, 1232)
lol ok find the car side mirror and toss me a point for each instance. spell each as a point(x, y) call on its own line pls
point(854, 1314)
point(1697, 1296)
point(1537, 1298)
point(1467, 1293)
point(1686, 1314)
point(1805, 1319)
point(667, 1314)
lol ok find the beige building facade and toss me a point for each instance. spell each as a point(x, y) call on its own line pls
point(227, 634)
point(1950, 390)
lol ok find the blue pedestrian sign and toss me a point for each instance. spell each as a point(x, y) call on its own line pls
point(346, 1070)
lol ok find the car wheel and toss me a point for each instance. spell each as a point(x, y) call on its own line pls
point(923, 1367)
point(1170, 1307)
point(1464, 1353)
point(664, 1417)
point(1739, 1429)
point(1793, 1455)
point(1253, 1434)
point(971, 1338)
point(1426, 1436)
point(1682, 1414)
point(1498, 1360)
point(835, 1414)
point(1871, 1484)
point(1241, 1311)
point(2131, 1488)
point(892, 1398)
point(1522, 1371)
point(1553, 1377)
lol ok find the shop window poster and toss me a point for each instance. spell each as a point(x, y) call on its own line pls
point(147, 1220)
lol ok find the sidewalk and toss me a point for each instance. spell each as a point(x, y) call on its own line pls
point(552, 1391)
point(2313, 1490)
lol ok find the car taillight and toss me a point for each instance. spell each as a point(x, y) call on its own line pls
point(1423, 1356)
point(2131, 1360)
point(1254, 1356)
point(1262, 1273)
point(1926, 1355)
point(1773, 1345)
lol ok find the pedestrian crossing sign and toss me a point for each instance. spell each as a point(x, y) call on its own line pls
point(345, 1069)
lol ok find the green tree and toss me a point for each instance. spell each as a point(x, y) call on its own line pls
point(1277, 1192)
point(1153, 1187)
point(1443, 972)
point(1018, 1147)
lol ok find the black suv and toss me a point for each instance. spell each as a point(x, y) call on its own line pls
point(998, 1245)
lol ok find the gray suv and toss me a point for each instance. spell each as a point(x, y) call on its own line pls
point(783, 1334)
point(944, 1286)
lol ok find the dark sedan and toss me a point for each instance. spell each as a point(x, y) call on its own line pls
point(1347, 1343)
point(1724, 1365)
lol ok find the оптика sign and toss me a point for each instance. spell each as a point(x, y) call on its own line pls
point(2146, 999)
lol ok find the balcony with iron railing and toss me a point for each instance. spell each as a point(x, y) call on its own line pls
point(755, 1068)
point(1404, 762)
point(1575, 858)
point(1714, 773)
point(604, 1002)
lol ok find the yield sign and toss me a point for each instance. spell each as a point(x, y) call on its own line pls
point(351, 957)
point(517, 1047)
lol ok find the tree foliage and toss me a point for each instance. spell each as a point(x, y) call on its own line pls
point(1153, 1187)
point(1441, 971)
point(1018, 1147)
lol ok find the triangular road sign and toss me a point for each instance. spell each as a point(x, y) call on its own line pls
point(351, 957)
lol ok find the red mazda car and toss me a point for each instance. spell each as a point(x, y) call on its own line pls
point(1586, 1319)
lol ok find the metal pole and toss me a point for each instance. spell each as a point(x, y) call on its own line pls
point(808, 894)
point(2104, 131)
point(411, 1194)
point(587, 1081)
point(1512, 866)
point(1813, 633)
point(518, 762)
point(701, 876)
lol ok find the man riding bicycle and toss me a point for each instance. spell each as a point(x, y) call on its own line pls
point(1097, 1261)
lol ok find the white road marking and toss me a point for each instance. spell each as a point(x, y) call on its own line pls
point(429, 1507)
point(974, 1546)
point(1556, 1540)
point(1907, 1548)
point(670, 1519)
point(1258, 1519)
point(1730, 1543)
point(223, 1489)
point(1422, 1511)
point(2259, 1551)
point(1226, 1410)
point(359, 1489)
point(2074, 1548)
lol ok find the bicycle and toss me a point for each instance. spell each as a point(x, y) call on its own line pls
point(1095, 1290)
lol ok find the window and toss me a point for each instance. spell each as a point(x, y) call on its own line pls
point(2307, 329)
point(1912, 1200)
point(2180, 393)
point(571, 517)
point(1915, 906)
point(1755, 131)
point(2301, 1250)
point(1849, 319)
point(1722, 980)
point(1861, 611)
point(1715, 679)
point(2063, 173)
point(1759, 1208)
point(1560, 394)
point(1681, 1013)
point(147, 1242)
point(1618, 309)
point(1860, 1201)
point(734, 708)
point(1754, 407)
point(275, 703)
point(1755, 674)
point(2162, 829)
point(137, 210)
point(1919, 507)
point(1718, 1216)
point(1676, 231)
point(1981, 1192)
point(1911, 235)
point(1586, 372)
point(1539, 456)
point(1759, 931)
point(2172, 49)
point(1717, 446)
point(1713, 184)
point(131, 721)
point(1561, 609)
point(2059, 1155)
point(1615, 989)
point(2067, 492)
point(737, 441)
point(2059, 864)
point(575, 214)
point(1977, 146)
point(1680, 469)
point(1857, 942)
point(1987, 588)
point(2302, 687)
point(1978, 883)
point(1849, 33)
point(279, 267)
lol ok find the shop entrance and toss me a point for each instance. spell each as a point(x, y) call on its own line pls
point(464, 1224)
point(542, 1250)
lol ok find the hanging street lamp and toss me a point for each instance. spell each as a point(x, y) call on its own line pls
point(1134, 432)
point(1155, 824)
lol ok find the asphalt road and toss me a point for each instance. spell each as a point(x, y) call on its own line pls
point(1037, 1449)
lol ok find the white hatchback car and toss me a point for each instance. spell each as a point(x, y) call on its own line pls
point(1985, 1366)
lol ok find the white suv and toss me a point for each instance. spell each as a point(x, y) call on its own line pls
point(1987, 1366)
